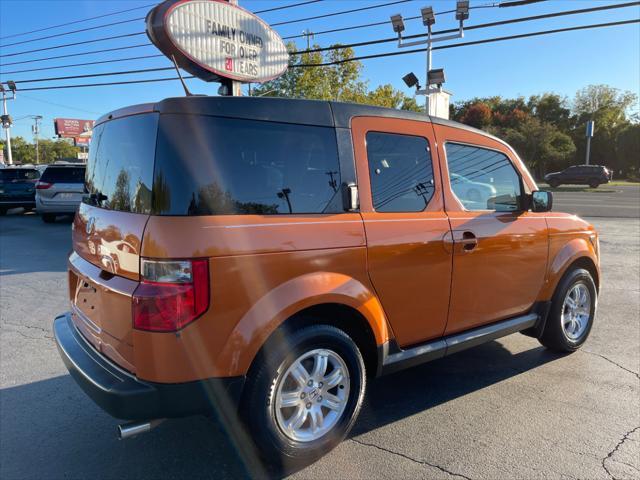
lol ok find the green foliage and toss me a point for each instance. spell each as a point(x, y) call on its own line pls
point(548, 131)
point(49, 150)
point(341, 82)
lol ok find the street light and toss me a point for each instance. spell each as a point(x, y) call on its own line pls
point(462, 10)
point(12, 85)
point(397, 23)
point(428, 18)
point(411, 80)
point(436, 76)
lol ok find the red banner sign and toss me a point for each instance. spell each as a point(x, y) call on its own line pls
point(71, 127)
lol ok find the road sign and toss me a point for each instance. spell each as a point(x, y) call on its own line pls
point(215, 40)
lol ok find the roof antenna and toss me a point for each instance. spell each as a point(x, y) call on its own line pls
point(184, 85)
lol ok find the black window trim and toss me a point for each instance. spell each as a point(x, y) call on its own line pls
point(524, 191)
point(369, 170)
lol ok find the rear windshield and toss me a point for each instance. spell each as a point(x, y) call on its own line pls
point(120, 166)
point(18, 174)
point(63, 175)
point(218, 166)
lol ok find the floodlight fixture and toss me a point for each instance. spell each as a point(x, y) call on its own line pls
point(12, 85)
point(398, 23)
point(411, 80)
point(436, 76)
point(428, 18)
point(462, 10)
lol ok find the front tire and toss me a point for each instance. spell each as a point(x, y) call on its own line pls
point(48, 217)
point(554, 183)
point(572, 312)
point(304, 395)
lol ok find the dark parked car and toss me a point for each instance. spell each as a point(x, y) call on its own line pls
point(17, 188)
point(592, 175)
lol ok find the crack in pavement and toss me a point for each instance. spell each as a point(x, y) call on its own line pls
point(44, 330)
point(612, 452)
point(420, 462)
point(614, 363)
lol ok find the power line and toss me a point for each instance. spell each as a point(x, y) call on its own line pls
point(128, 47)
point(141, 57)
point(103, 39)
point(60, 105)
point(466, 44)
point(284, 7)
point(76, 21)
point(367, 57)
point(57, 87)
point(95, 40)
point(72, 32)
point(371, 42)
point(91, 75)
point(479, 26)
point(343, 12)
point(385, 22)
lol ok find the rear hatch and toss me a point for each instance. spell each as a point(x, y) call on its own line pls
point(18, 184)
point(104, 268)
point(61, 185)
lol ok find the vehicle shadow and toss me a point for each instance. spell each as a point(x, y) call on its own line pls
point(50, 429)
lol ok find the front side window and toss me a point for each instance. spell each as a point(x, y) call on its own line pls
point(223, 166)
point(483, 179)
point(401, 172)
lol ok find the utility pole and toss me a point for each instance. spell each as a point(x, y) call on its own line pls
point(309, 34)
point(6, 118)
point(35, 128)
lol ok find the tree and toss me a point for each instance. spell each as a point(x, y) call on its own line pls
point(21, 150)
point(541, 145)
point(341, 82)
point(628, 152)
point(610, 109)
point(478, 115)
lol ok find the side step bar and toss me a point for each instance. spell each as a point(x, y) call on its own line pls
point(398, 359)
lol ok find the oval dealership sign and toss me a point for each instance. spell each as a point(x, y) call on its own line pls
point(213, 39)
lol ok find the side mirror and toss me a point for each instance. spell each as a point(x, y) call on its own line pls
point(541, 201)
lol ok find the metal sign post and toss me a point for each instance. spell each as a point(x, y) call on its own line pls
point(589, 135)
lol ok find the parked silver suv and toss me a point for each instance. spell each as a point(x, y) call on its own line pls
point(59, 190)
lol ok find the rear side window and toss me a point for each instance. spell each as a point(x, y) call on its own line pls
point(401, 172)
point(18, 174)
point(219, 166)
point(63, 175)
point(120, 167)
point(483, 179)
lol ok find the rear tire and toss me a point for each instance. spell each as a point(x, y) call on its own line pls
point(48, 217)
point(572, 312)
point(283, 405)
point(3, 212)
point(594, 183)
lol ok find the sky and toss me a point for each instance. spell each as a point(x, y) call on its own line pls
point(562, 63)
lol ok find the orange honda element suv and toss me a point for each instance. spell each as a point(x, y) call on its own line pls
point(267, 257)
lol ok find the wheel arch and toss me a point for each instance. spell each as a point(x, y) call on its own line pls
point(320, 297)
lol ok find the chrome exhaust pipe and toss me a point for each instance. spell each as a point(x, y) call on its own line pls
point(131, 429)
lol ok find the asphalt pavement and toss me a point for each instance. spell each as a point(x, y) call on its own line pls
point(507, 409)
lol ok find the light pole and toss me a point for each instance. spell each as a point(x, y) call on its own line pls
point(309, 34)
point(433, 77)
point(35, 128)
point(6, 118)
point(589, 135)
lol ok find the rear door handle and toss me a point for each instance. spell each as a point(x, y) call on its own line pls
point(469, 241)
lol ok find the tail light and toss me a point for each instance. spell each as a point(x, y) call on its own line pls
point(43, 185)
point(171, 294)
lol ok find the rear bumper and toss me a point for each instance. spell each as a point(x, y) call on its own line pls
point(124, 396)
point(56, 207)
